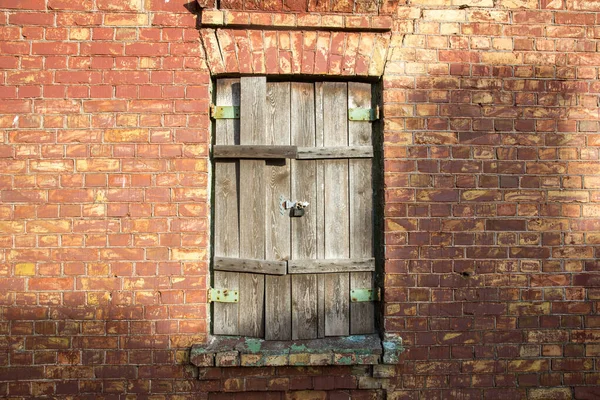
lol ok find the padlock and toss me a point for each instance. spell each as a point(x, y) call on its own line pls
point(297, 212)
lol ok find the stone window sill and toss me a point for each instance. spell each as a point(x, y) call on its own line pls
point(235, 351)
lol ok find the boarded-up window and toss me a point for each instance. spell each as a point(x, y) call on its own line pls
point(295, 276)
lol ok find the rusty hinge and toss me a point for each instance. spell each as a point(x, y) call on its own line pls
point(223, 296)
point(361, 295)
point(224, 112)
point(363, 114)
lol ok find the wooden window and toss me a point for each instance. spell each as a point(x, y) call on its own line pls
point(294, 275)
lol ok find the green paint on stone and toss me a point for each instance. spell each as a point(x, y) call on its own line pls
point(253, 345)
point(298, 348)
point(345, 360)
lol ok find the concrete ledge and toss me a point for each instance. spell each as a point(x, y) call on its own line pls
point(228, 351)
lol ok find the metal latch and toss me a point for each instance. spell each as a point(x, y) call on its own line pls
point(296, 207)
point(223, 296)
point(224, 112)
point(363, 114)
point(361, 295)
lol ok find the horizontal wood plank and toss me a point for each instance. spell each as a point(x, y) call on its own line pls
point(254, 151)
point(330, 266)
point(310, 153)
point(248, 265)
point(293, 152)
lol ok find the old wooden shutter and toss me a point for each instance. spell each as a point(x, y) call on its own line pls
point(294, 276)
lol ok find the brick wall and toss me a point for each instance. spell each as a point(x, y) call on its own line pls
point(491, 186)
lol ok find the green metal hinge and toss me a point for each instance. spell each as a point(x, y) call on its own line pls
point(360, 295)
point(223, 296)
point(224, 112)
point(363, 114)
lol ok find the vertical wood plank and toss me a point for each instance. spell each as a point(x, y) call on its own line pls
point(304, 288)
point(278, 305)
point(320, 206)
point(362, 315)
point(337, 225)
point(304, 306)
point(226, 241)
point(252, 204)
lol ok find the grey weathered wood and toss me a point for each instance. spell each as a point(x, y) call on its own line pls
point(337, 227)
point(362, 315)
point(304, 307)
point(278, 290)
point(321, 305)
point(293, 152)
point(308, 153)
point(337, 304)
point(226, 239)
point(304, 300)
point(225, 319)
point(278, 308)
point(252, 204)
point(322, 266)
point(255, 151)
point(252, 301)
point(320, 205)
point(250, 265)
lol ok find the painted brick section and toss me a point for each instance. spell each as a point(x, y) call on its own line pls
point(492, 201)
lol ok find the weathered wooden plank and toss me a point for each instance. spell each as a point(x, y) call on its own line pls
point(304, 289)
point(226, 318)
point(278, 290)
point(226, 237)
point(304, 307)
point(293, 152)
point(278, 308)
point(322, 266)
point(308, 153)
point(255, 151)
point(337, 226)
point(278, 131)
point(320, 305)
point(337, 304)
point(320, 205)
point(362, 315)
point(247, 265)
point(252, 204)
point(252, 301)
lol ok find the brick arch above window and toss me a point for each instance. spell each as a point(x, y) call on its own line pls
point(324, 53)
point(371, 7)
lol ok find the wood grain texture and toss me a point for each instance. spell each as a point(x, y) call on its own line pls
point(304, 307)
point(278, 290)
point(304, 293)
point(313, 153)
point(337, 226)
point(309, 266)
point(337, 304)
point(226, 233)
point(248, 265)
point(320, 204)
point(252, 204)
point(225, 316)
point(256, 151)
point(278, 308)
point(362, 315)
